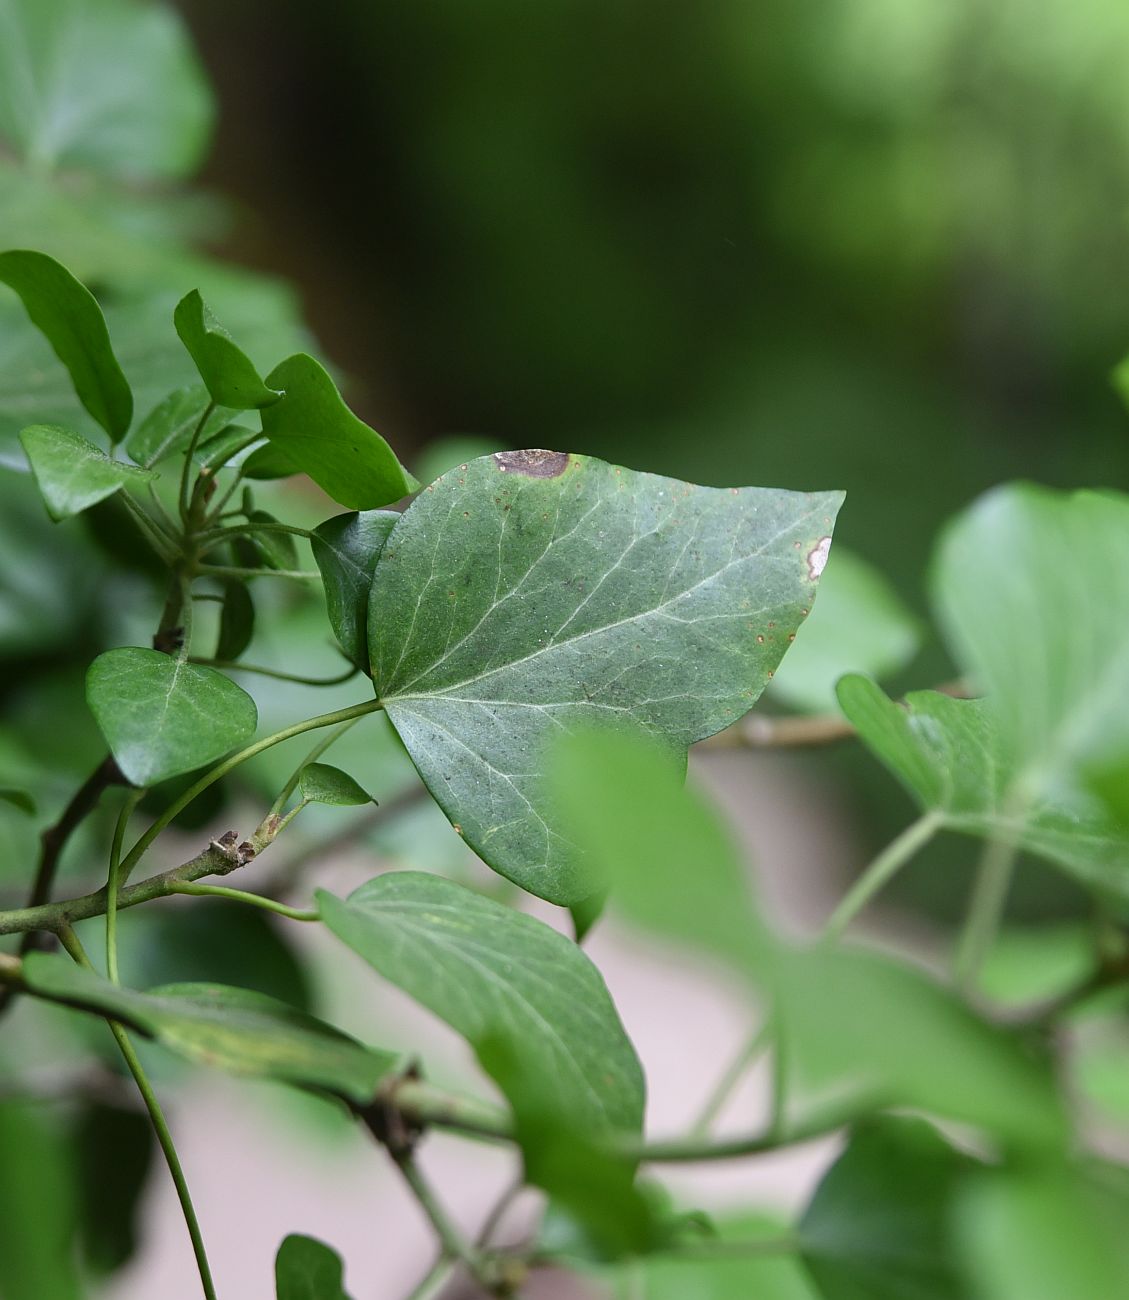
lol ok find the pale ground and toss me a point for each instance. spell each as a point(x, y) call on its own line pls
point(257, 1175)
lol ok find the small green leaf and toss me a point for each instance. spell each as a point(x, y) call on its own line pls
point(346, 549)
point(858, 625)
point(305, 1269)
point(278, 550)
point(229, 1028)
point(535, 592)
point(221, 448)
point(497, 976)
point(314, 428)
point(237, 621)
point(878, 1224)
point(269, 462)
point(72, 322)
point(162, 716)
point(18, 799)
point(951, 756)
point(109, 85)
point(321, 783)
point(224, 367)
point(72, 473)
point(1043, 1235)
point(169, 426)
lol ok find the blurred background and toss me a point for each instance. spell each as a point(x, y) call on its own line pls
point(879, 245)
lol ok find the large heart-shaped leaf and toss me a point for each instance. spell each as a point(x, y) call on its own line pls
point(879, 1224)
point(113, 85)
point(851, 1020)
point(227, 371)
point(306, 1269)
point(527, 593)
point(162, 716)
point(71, 473)
point(502, 979)
point(951, 756)
point(217, 1025)
point(72, 322)
point(1031, 587)
point(346, 549)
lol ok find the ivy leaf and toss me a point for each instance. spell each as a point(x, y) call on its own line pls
point(67, 314)
point(217, 1025)
point(269, 462)
point(320, 783)
point(346, 549)
point(162, 716)
point(1036, 608)
point(169, 426)
point(532, 592)
point(224, 367)
point(500, 978)
point(314, 428)
point(858, 625)
point(952, 758)
point(237, 621)
point(879, 1223)
point(852, 1020)
point(18, 799)
point(107, 84)
point(73, 474)
point(1044, 1235)
point(306, 1269)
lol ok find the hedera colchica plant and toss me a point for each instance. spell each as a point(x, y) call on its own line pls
point(548, 635)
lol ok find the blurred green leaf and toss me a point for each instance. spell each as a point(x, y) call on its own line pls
point(113, 85)
point(169, 426)
point(498, 976)
point(37, 1207)
point(449, 453)
point(18, 799)
point(69, 317)
point(113, 1153)
point(269, 462)
point(858, 624)
point(862, 1024)
point(320, 783)
point(346, 549)
point(314, 428)
point(162, 716)
point(878, 1226)
point(278, 550)
point(229, 1028)
point(537, 591)
point(1036, 608)
point(952, 757)
point(224, 367)
point(71, 473)
point(237, 621)
point(1037, 963)
point(305, 1269)
point(1043, 1235)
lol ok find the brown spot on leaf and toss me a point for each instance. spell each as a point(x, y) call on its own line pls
point(817, 557)
point(535, 463)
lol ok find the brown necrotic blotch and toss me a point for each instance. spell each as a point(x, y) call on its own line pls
point(535, 463)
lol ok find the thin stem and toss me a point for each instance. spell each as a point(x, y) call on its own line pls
point(235, 571)
point(451, 1240)
point(222, 769)
point(228, 493)
point(242, 896)
point(493, 1220)
point(185, 615)
point(128, 805)
point(312, 757)
point(168, 523)
point(435, 1280)
point(989, 893)
point(71, 943)
point(164, 546)
point(186, 469)
point(734, 1073)
point(216, 535)
point(884, 867)
point(233, 665)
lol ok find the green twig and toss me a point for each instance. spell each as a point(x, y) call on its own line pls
point(234, 665)
point(435, 1280)
point(242, 896)
point(884, 867)
point(214, 536)
point(312, 757)
point(236, 571)
point(70, 942)
point(734, 1073)
point(112, 883)
point(454, 1246)
point(186, 469)
point(165, 547)
point(989, 894)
